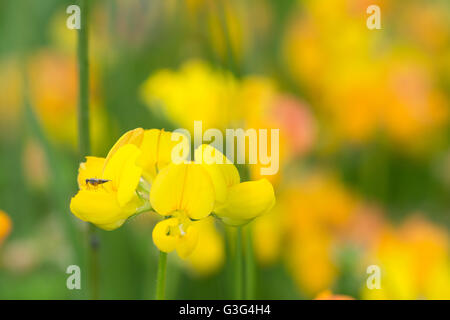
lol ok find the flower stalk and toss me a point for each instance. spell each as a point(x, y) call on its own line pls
point(238, 260)
point(161, 276)
point(84, 136)
point(249, 265)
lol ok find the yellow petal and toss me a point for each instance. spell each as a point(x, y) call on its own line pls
point(123, 172)
point(157, 147)
point(167, 143)
point(90, 169)
point(187, 242)
point(183, 187)
point(222, 172)
point(246, 201)
point(134, 136)
point(112, 226)
point(100, 207)
point(162, 237)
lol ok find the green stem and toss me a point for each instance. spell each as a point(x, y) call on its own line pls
point(232, 62)
point(161, 276)
point(238, 277)
point(249, 265)
point(94, 262)
point(83, 81)
point(83, 133)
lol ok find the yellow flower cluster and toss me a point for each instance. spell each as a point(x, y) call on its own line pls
point(414, 259)
point(195, 92)
point(198, 91)
point(142, 172)
point(362, 93)
point(310, 214)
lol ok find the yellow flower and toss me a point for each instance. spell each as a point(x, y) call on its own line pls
point(156, 148)
point(267, 236)
point(236, 203)
point(133, 161)
point(109, 205)
point(5, 226)
point(196, 91)
point(310, 227)
point(246, 201)
point(414, 261)
point(185, 193)
point(176, 234)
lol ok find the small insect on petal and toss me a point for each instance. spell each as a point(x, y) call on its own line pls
point(96, 182)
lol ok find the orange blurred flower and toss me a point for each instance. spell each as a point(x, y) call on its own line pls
point(5, 226)
point(54, 96)
point(360, 84)
point(328, 295)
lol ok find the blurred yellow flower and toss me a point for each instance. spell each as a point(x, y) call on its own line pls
point(414, 262)
point(199, 92)
point(360, 94)
point(267, 235)
point(195, 92)
point(264, 106)
point(209, 254)
point(316, 209)
point(5, 226)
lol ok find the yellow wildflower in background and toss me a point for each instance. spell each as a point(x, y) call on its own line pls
point(314, 210)
point(5, 226)
point(414, 262)
point(209, 254)
point(195, 92)
point(360, 94)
